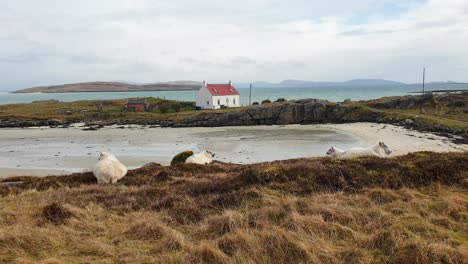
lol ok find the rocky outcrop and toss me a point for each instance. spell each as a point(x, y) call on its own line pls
point(33, 123)
point(407, 102)
point(307, 111)
point(453, 100)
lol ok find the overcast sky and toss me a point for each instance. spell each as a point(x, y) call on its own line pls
point(62, 41)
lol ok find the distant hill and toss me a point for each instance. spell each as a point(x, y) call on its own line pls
point(372, 82)
point(125, 86)
point(114, 87)
point(302, 83)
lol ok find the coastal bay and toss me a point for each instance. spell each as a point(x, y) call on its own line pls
point(42, 151)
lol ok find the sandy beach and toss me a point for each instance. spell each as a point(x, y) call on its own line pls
point(400, 139)
point(53, 151)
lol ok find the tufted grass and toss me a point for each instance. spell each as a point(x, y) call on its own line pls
point(449, 110)
point(409, 209)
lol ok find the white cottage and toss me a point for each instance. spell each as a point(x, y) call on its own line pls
point(215, 96)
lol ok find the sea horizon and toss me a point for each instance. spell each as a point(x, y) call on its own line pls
point(330, 93)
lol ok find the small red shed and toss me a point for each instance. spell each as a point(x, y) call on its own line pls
point(137, 105)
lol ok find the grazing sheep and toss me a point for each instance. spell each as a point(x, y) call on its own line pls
point(205, 157)
point(379, 150)
point(109, 169)
point(334, 152)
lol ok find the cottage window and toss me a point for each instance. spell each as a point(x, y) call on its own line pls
point(219, 101)
point(234, 101)
point(207, 102)
point(227, 100)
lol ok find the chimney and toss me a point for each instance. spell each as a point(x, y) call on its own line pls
point(204, 83)
point(230, 83)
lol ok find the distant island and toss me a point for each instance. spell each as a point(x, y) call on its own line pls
point(350, 83)
point(114, 87)
point(302, 83)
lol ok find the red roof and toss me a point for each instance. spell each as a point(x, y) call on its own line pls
point(222, 89)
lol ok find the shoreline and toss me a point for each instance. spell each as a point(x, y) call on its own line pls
point(74, 150)
point(291, 113)
point(422, 113)
point(414, 140)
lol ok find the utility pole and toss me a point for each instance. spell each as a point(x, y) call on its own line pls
point(250, 95)
point(424, 79)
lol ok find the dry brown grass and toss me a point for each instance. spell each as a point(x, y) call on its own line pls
point(410, 209)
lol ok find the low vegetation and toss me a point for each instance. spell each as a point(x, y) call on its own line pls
point(181, 157)
point(447, 113)
point(449, 110)
point(94, 110)
point(408, 209)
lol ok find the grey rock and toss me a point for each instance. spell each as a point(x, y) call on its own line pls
point(306, 111)
point(409, 122)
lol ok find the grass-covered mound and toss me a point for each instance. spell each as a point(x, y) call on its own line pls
point(107, 111)
point(409, 209)
point(449, 110)
point(181, 157)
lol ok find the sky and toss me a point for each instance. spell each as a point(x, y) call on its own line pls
point(62, 41)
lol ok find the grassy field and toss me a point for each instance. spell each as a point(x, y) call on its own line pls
point(450, 110)
point(408, 209)
point(87, 111)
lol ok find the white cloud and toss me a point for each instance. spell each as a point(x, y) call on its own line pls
point(52, 41)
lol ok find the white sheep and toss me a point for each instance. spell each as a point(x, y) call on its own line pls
point(203, 158)
point(379, 150)
point(334, 152)
point(109, 169)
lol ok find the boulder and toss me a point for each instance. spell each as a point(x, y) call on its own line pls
point(54, 122)
point(304, 111)
point(409, 122)
point(181, 157)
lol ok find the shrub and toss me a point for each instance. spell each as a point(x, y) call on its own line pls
point(163, 108)
point(99, 106)
point(56, 214)
point(255, 103)
point(267, 101)
point(176, 107)
point(252, 176)
point(207, 252)
point(145, 231)
point(187, 211)
point(181, 157)
point(281, 100)
point(281, 248)
point(231, 243)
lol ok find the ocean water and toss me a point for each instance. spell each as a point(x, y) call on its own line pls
point(334, 94)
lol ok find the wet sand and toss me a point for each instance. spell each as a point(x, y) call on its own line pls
point(47, 151)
